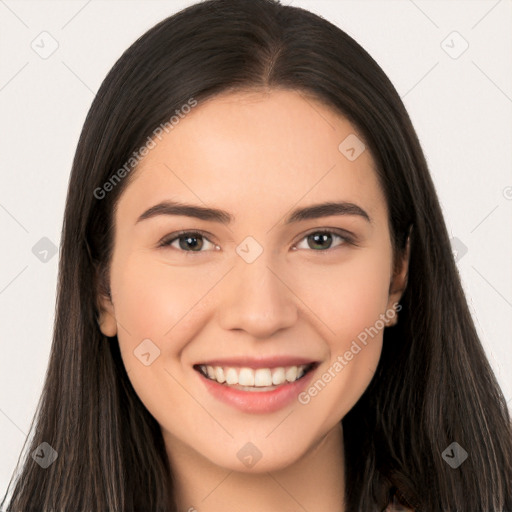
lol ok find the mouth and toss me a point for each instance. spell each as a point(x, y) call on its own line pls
point(263, 389)
point(254, 379)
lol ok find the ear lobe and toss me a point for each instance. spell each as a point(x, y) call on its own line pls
point(106, 316)
point(399, 279)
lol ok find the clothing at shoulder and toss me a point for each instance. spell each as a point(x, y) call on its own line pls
point(396, 506)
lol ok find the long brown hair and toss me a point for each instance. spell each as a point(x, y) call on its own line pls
point(433, 386)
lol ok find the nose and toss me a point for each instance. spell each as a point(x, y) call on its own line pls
point(257, 299)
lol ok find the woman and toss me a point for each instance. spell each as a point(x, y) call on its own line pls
point(210, 352)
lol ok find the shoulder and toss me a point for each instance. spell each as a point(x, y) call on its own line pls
point(396, 506)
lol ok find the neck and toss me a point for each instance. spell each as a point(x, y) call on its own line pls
point(313, 482)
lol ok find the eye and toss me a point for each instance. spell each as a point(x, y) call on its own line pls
point(188, 241)
point(195, 241)
point(322, 240)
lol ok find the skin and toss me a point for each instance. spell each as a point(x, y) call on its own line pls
point(256, 155)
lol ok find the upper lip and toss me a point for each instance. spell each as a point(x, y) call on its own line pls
point(257, 362)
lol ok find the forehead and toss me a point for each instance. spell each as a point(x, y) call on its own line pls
point(257, 151)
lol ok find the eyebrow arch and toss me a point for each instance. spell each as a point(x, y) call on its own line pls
point(216, 215)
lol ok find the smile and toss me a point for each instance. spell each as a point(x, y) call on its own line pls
point(249, 379)
point(264, 389)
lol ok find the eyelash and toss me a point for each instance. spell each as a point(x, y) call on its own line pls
point(346, 239)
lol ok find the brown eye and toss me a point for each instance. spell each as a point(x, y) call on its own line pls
point(187, 241)
point(193, 242)
point(322, 240)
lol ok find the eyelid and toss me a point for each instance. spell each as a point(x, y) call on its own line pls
point(167, 240)
point(346, 236)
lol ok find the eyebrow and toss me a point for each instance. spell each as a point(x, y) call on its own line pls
point(215, 215)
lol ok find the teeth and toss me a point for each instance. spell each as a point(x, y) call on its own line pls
point(278, 376)
point(247, 377)
point(291, 373)
point(231, 376)
point(219, 375)
point(262, 377)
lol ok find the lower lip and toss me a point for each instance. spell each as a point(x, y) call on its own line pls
point(257, 401)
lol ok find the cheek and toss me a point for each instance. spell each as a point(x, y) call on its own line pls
point(153, 296)
point(350, 300)
point(347, 296)
point(162, 303)
point(156, 301)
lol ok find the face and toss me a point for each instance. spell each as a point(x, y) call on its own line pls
point(283, 310)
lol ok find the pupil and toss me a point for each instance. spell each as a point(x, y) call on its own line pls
point(192, 240)
point(322, 236)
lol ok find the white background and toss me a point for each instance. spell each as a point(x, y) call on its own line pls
point(461, 109)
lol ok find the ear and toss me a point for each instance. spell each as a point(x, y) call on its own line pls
point(106, 316)
point(398, 282)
